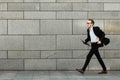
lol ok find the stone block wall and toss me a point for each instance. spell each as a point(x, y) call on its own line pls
point(46, 34)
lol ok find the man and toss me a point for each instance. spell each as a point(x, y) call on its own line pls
point(95, 35)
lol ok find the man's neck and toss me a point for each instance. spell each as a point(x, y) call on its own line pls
point(91, 27)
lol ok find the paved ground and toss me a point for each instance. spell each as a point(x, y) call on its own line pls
point(58, 75)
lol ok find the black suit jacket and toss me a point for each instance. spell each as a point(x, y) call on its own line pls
point(98, 32)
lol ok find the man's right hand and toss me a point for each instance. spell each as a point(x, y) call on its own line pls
point(83, 41)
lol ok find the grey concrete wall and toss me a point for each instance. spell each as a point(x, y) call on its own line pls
point(46, 34)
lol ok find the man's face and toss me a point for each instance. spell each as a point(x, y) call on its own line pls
point(89, 24)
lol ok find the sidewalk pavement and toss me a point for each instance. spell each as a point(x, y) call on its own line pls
point(58, 75)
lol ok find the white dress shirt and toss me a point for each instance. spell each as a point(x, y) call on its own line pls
point(93, 37)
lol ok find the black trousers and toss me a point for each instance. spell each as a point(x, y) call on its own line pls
point(94, 50)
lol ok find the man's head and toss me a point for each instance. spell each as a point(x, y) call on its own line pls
point(90, 23)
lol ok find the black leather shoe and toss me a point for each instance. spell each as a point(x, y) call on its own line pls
point(103, 72)
point(80, 70)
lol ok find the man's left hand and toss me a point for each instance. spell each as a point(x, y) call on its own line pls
point(99, 42)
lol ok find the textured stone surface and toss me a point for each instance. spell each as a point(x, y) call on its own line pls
point(3, 27)
point(11, 0)
point(104, 15)
point(23, 6)
point(3, 54)
point(56, 27)
point(112, 26)
point(11, 43)
point(39, 0)
point(11, 64)
point(112, 6)
point(71, 15)
point(56, 54)
point(40, 64)
point(39, 15)
point(69, 64)
point(103, 0)
point(115, 54)
point(114, 42)
point(80, 54)
point(23, 54)
point(23, 27)
point(88, 6)
point(70, 42)
point(39, 43)
point(71, 0)
point(56, 6)
point(11, 15)
point(3, 6)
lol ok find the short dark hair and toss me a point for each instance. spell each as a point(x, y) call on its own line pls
point(92, 21)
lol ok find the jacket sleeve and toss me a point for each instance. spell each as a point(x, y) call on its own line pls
point(101, 34)
point(88, 37)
